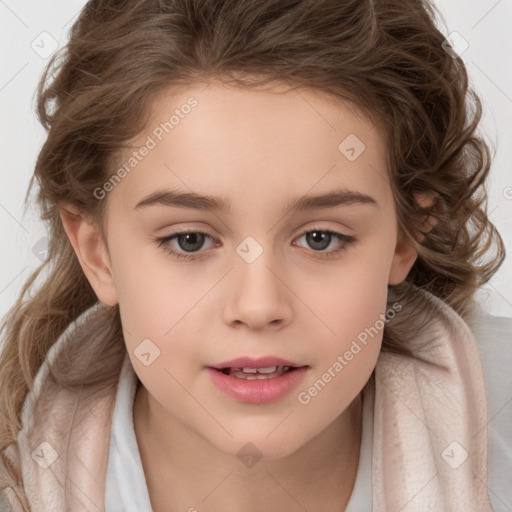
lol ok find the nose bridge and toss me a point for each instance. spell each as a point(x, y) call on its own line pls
point(259, 296)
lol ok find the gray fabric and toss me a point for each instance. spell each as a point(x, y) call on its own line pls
point(494, 339)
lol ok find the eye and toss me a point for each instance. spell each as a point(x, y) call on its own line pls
point(186, 240)
point(191, 241)
point(320, 239)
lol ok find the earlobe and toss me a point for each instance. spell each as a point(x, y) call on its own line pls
point(90, 250)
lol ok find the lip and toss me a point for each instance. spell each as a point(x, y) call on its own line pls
point(257, 391)
point(250, 362)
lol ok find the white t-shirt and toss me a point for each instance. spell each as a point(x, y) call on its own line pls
point(126, 489)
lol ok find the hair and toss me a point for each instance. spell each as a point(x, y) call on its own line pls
point(386, 57)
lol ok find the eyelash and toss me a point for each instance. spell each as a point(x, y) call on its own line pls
point(163, 242)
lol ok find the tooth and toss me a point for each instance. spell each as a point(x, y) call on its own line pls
point(248, 370)
point(270, 369)
point(279, 370)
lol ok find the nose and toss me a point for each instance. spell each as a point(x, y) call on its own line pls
point(259, 297)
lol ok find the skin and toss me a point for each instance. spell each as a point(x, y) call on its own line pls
point(259, 148)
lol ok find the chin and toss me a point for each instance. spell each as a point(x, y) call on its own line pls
point(253, 448)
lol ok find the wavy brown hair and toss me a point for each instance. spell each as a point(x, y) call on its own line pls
point(387, 57)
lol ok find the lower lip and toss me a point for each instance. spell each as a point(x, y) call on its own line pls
point(257, 391)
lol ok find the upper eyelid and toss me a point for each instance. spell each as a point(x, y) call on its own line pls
point(345, 229)
point(300, 233)
point(342, 237)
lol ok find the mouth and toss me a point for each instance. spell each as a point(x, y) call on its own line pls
point(270, 372)
point(257, 380)
point(250, 368)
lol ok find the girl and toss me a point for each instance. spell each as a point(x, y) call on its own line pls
point(315, 346)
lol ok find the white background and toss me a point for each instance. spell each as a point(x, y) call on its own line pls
point(485, 25)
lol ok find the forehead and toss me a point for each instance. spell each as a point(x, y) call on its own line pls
point(219, 139)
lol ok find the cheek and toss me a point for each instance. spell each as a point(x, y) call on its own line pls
point(364, 298)
point(156, 304)
point(351, 296)
point(345, 358)
point(352, 306)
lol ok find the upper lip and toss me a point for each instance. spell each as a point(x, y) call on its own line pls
point(250, 362)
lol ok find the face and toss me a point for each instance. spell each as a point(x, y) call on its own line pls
point(257, 278)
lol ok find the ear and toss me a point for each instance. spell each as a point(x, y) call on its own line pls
point(403, 259)
point(87, 241)
point(405, 255)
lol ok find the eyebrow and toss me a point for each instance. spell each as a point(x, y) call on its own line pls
point(193, 201)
